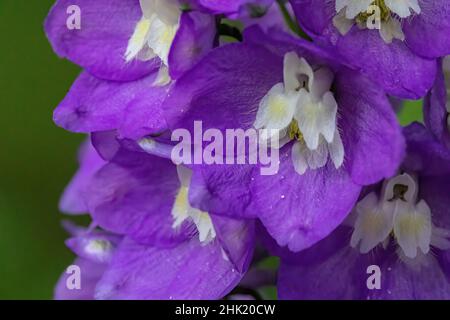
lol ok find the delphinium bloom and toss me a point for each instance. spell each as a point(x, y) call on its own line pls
point(125, 48)
point(331, 120)
point(94, 250)
point(166, 231)
point(168, 249)
point(399, 53)
point(437, 104)
point(401, 226)
point(127, 40)
point(121, 90)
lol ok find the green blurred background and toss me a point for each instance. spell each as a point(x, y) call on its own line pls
point(37, 159)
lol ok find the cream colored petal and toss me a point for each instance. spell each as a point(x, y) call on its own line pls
point(299, 158)
point(336, 150)
point(412, 228)
point(403, 7)
point(372, 225)
point(139, 39)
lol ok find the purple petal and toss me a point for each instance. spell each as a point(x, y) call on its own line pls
point(98, 105)
point(137, 200)
point(315, 15)
point(100, 45)
point(425, 154)
point(329, 270)
point(280, 43)
point(435, 191)
point(229, 7)
point(187, 271)
point(394, 66)
point(272, 18)
point(231, 80)
point(236, 237)
point(427, 33)
point(224, 90)
point(435, 109)
point(72, 200)
point(369, 127)
point(300, 210)
point(91, 273)
point(222, 189)
point(194, 38)
point(400, 71)
point(401, 282)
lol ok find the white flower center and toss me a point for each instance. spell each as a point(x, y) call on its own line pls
point(101, 249)
point(182, 210)
point(397, 215)
point(384, 15)
point(154, 33)
point(303, 109)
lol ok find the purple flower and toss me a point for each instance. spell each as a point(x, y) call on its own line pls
point(340, 190)
point(437, 104)
point(401, 226)
point(170, 250)
point(398, 53)
point(332, 120)
point(94, 250)
point(121, 45)
point(124, 40)
point(189, 270)
point(94, 105)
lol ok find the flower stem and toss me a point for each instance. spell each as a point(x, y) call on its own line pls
point(292, 23)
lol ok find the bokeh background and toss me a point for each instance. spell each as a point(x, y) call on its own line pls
point(37, 159)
